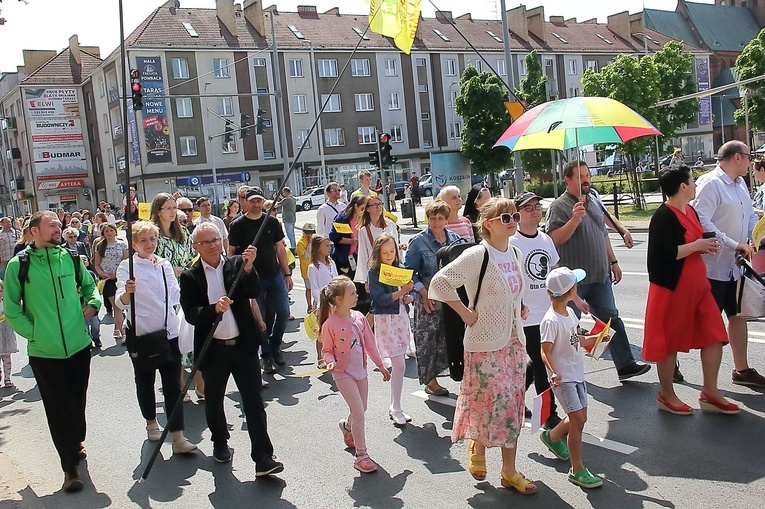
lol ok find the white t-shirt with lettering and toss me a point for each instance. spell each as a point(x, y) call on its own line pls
point(539, 257)
point(508, 267)
point(561, 332)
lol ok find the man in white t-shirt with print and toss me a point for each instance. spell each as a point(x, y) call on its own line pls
point(539, 257)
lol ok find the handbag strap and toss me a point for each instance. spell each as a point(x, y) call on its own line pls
point(369, 236)
point(167, 304)
point(484, 265)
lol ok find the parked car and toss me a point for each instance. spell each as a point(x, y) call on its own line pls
point(426, 185)
point(314, 198)
point(400, 189)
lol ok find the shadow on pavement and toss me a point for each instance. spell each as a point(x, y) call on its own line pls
point(379, 489)
point(89, 496)
point(492, 496)
point(167, 477)
point(423, 443)
point(231, 492)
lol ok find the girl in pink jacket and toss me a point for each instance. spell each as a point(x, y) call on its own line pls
point(346, 340)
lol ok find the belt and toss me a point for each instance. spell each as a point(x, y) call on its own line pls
point(226, 342)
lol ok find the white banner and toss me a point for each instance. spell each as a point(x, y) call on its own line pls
point(59, 155)
point(56, 132)
point(52, 102)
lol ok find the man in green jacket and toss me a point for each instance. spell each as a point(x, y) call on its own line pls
point(53, 319)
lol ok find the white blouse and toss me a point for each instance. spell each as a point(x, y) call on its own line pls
point(320, 277)
point(364, 252)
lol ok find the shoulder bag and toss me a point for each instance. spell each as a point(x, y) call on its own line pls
point(150, 351)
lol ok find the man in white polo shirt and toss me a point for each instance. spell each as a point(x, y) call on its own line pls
point(206, 216)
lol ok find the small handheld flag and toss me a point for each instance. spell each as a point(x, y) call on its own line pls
point(541, 410)
point(598, 348)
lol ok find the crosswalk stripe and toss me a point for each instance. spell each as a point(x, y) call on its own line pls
point(604, 443)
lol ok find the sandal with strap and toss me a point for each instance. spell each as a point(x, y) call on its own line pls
point(519, 482)
point(584, 478)
point(476, 463)
point(364, 464)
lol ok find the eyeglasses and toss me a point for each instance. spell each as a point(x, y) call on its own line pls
point(532, 208)
point(750, 156)
point(508, 218)
point(374, 205)
point(334, 190)
point(207, 243)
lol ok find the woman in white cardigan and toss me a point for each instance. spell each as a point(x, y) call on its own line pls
point(490, 406)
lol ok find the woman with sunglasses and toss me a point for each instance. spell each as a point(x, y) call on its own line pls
point(490, 406)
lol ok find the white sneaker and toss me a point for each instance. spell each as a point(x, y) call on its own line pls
point(183, 446)
point(153, 433)
point(398, 417)
point(263, 383)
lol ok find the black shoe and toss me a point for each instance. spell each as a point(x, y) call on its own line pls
point(279, 358)
point(748, 377)
point(269, 367)
point(222, 452)
point(97, 343)
point(552, 421)
point(677, 377)
point(268, 466)
point(72, 481)
point(633, 370)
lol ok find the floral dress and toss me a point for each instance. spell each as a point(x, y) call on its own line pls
point(180, 254)
point(393, 332)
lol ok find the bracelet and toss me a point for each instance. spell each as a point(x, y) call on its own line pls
point(287, 275)
point(614, 262)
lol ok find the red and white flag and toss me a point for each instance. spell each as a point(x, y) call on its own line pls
point(541, 410)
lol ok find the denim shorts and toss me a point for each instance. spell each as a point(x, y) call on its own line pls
point(572, 396)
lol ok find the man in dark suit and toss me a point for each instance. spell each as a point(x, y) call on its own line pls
point(234, 347)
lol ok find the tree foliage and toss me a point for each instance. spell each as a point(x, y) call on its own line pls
point(749, 64)
point(533, 92)
point(481, 104)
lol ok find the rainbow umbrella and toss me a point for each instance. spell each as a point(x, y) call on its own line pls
point(575, 122)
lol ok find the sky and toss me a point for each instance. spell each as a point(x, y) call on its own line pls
point(48, 24)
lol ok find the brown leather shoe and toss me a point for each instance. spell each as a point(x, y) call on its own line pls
point(72, 481)
point(748, 377)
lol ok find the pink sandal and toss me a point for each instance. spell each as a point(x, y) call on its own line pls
point(364, 464)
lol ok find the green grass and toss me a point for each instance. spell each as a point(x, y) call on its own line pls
point(629, 213)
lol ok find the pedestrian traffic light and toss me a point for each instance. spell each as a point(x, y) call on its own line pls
point(374, 159)
point(228, 135)
point(135, 86)
point(260, 122)
point(244, 124)
point(386, 159)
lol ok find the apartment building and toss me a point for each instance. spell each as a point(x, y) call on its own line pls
point(208, 70)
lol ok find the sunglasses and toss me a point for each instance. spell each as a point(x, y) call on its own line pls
point(187, 210)
point(532, 208)
point(508, 218)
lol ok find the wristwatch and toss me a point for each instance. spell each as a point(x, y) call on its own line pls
point(614, 262)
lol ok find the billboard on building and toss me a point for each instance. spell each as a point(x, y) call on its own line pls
point(450, 169)
point(156, 130)
point(52, 102)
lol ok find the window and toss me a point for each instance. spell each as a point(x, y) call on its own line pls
point(180, 69)
point(425, 115)
point(261, 90)
point(299, 104)
point(333, 103)
point(427, 144)
point(422, 88)
point(269, 154)
point(454, 130)
point(259, 62)
point(110, 157)
point(367, 135)
point(390, 67)
point(301, 136)
point(327, 68)
point(478, 64)
point(360, 67)
point(334, 137)
point(183, 107)
point(420, 62)
point(454, 95)
point(393, 101)
point(573, 92)
point(592, 64)
point(364, 102)
point(501, 68)
point(188, 146)
point(102, 87)
point(395, 134)
point(106, 123)
point(572, 67)
point(225, 107)
point(451, 67)
point(548, 62)
point(230, 147)
point(296, 68)
point(220, 68)
point(522, 67)
point(88, 101)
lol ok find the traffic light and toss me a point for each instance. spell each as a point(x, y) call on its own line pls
point(244, 124)
point(374, 159)
point(135, 86)
point(260, 122)
point(386, 159)
point(228, 136)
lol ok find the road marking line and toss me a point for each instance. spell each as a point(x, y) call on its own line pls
point(604, 443)
point(634, 323)
point(642, 274)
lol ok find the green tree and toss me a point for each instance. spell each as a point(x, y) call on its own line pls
point(675, 68)
point(533, 91)
point(749, 64)
point(481, 104)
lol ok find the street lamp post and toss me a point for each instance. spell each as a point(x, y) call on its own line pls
point(722, 119)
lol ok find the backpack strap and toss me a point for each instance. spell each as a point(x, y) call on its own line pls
point(23, 274)
point(484, 266)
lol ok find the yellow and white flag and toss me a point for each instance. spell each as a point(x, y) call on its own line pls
point(342, 228)
point(395, 276)
point(396, 19)
point(758, 232)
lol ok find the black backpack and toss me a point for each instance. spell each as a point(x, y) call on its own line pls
point(454, 327)
point(24, 270)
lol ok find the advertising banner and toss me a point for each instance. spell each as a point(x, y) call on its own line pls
point(59, 132)
point(52, 102)
point(702, 81)
point(133, 134)
point(450, 169)
point(60, 184)
point(156, 129)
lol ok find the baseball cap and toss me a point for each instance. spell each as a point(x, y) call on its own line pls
point(308, 227)
point(562, 279)
point(525, 197)
point(255, 192)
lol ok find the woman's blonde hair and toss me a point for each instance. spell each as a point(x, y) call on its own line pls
point(144, 226)
point(437, 207)
point(176, 230)
point(374, 260)
point(71, 231)
point(316, 241)
point(329, 295)
point(491, 209)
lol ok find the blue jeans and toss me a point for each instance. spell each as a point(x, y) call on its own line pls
point(94, 328)
point(289, 229)
point(600, 297)
point(275, 289)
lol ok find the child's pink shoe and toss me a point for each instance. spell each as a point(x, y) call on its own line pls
point(364, 464)
point(347, 435)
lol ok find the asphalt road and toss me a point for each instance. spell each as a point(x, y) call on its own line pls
point(647, 458)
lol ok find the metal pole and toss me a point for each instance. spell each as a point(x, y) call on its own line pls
point(748, 135)
point(319, 131)
point(511, 78)
point(7, 166)
point(279, 106)
point(722, 119)
point(211, 151)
